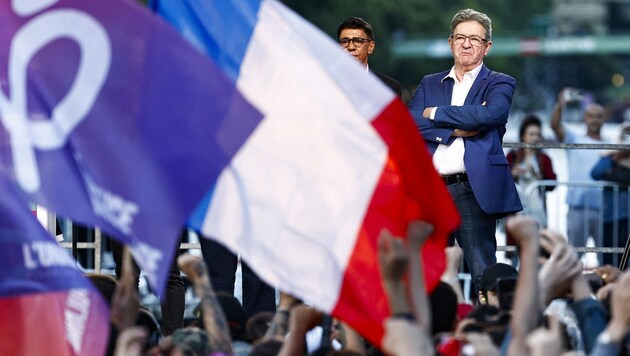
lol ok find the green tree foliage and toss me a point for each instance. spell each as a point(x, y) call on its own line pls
point(403, 19)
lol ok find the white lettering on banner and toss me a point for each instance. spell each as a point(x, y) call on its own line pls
point(45, 254)
point(29, 7)
point(111, 207)
point(149, 258)
point(29, 261)
point(27, 135)
point(76, 316)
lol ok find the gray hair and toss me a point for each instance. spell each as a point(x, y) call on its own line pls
point(467, 15)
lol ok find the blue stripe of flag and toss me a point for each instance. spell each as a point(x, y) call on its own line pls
point(221, 29)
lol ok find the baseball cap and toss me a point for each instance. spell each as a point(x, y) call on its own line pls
point(493, 273)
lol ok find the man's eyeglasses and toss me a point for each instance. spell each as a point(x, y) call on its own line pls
point(475, 41)
point(356, 41)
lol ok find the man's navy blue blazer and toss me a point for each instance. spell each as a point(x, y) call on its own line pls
point(486, 109)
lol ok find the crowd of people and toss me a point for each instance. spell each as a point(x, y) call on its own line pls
point(549, 306)
point(546, 305)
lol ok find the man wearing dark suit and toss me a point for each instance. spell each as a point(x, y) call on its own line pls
point(355, 35)
point(462, 115)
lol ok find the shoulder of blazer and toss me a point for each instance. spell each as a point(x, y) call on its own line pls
point(487, 73)
point(436, 76)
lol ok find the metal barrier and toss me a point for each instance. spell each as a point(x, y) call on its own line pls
point(74, 245)
point(538, 190)
point(535, 188)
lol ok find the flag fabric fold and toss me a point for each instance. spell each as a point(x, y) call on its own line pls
point(335, 159)
point(47, 307)
point(109, 118)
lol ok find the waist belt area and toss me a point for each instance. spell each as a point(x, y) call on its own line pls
point(455, 178)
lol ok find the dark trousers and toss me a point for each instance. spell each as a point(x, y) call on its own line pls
point(222, 264)
point(476, 234)
point(173, 303)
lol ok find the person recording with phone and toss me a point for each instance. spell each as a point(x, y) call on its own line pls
point(584, 215)
point(530, 165)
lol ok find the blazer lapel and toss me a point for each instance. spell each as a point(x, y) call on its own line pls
point(447, 88)
point(479, 82)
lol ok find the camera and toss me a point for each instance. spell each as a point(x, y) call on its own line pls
point(572, 95)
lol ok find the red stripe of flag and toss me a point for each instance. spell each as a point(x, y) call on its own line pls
point(408, 189)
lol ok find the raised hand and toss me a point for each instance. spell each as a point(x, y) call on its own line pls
point(557, 274)
point(546, 342)
point(392, 257)
point(130, 342)
point(213, 318)
point(608, 273)
point(192, 266)
point(418, 232)
point(619, 324)
point(523, 228)
point(125, 301)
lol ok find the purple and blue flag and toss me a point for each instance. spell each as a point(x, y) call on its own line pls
point(109, 118)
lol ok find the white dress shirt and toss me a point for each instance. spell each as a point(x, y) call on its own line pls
point(449, 159)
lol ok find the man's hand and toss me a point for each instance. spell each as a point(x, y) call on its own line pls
point(131, 341)
point(426, 113)
point(557, 274)
point(418, 233)
point(303, 318)
point(125, 302)
point(392, 257)
point(287, 301)
point(549, 239)
point(192, 266)
point(608, 273)
point(523, 228)
point(620, 309)
point(464, 133)
point(543, 341)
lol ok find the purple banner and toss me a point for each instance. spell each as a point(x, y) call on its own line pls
point(46, 305)
point(109, 118)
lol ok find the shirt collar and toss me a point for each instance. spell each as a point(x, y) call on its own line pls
point(471, 74)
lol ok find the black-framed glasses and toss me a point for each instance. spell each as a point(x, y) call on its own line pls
point(475, 41)
point(356, 41)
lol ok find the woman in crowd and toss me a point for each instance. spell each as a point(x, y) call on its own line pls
point(529, 165)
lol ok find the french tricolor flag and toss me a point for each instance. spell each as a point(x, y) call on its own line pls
point(335, 159)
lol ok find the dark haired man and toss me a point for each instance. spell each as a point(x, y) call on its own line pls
point(355, 35)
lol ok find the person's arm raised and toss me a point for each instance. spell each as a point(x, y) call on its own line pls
point(393, 262)
point(619, 324)
point(556, 117)
point(125, 301)
point(525, 312)
point(280, 322)
point(303, 318)
point(417, 234)
point(213, 317)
